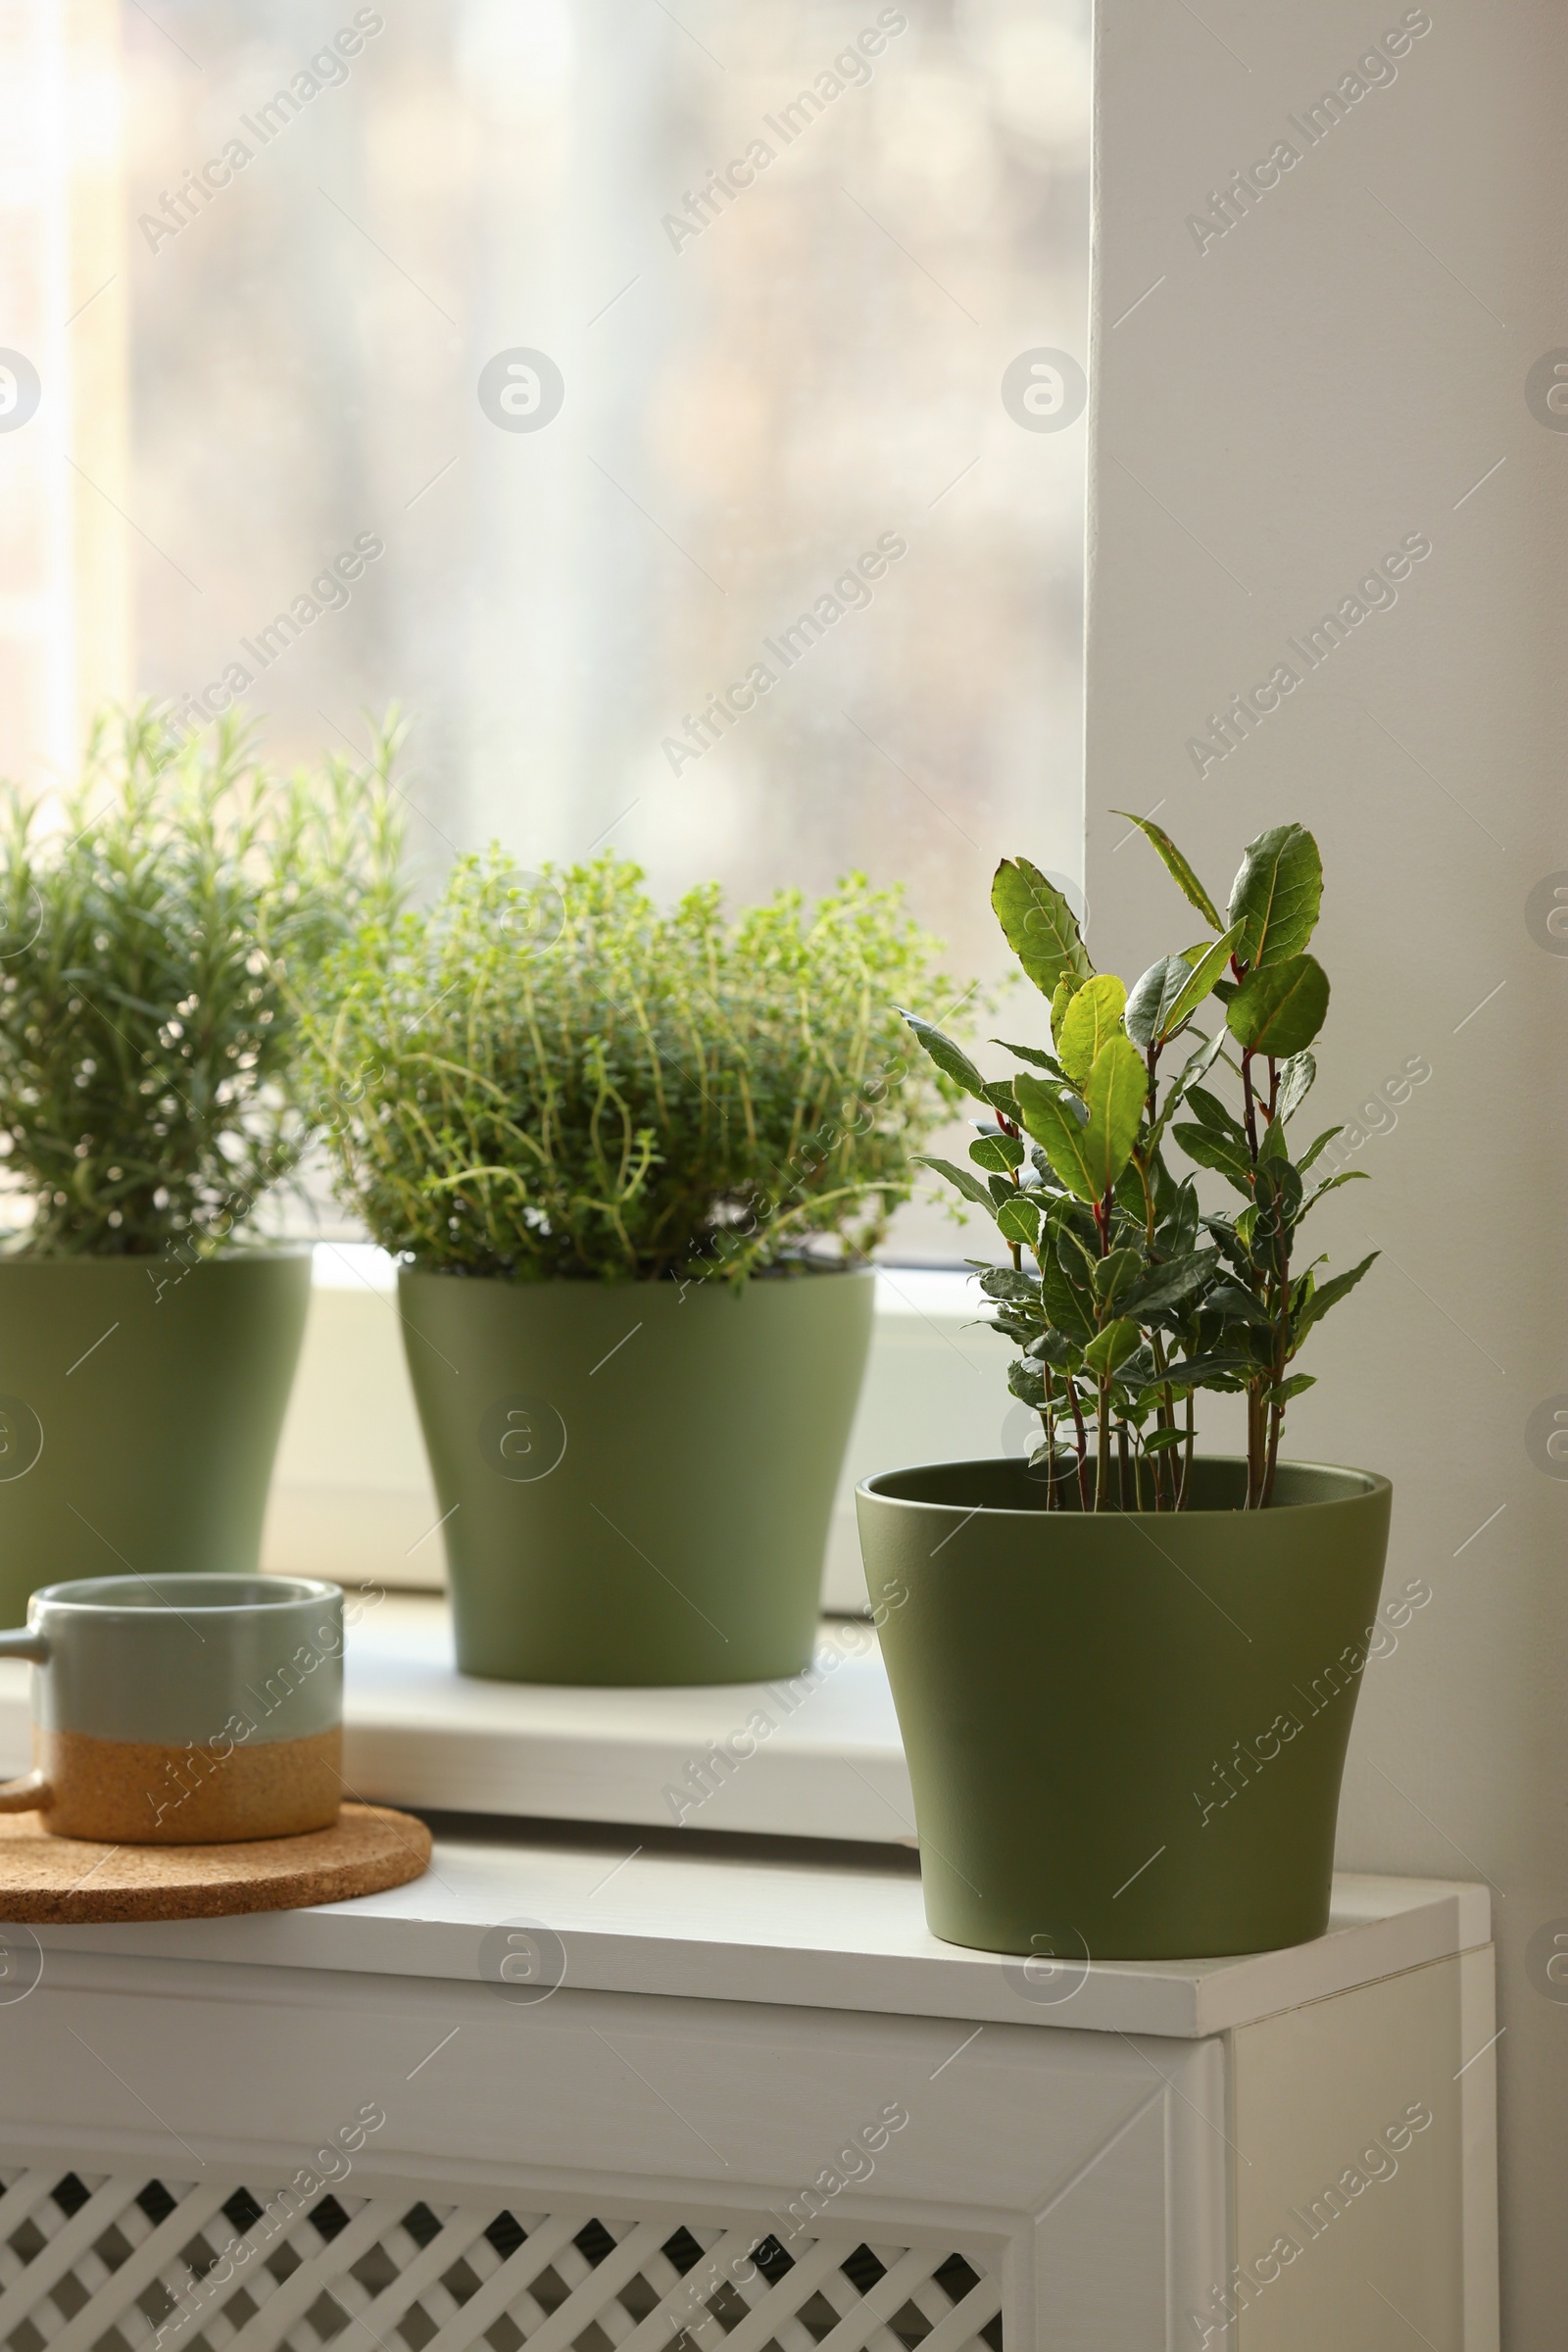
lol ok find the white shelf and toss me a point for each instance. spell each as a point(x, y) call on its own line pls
point(796, 1933)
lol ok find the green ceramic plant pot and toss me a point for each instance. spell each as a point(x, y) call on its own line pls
point(1125, 1733)
point(139, 1414)
point(637, 1477)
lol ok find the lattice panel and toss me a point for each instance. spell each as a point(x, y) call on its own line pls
point(93, 2263)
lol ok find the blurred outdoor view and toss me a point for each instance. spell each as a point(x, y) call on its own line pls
point(768, 266)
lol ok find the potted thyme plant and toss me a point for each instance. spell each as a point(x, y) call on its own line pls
point(153, 930)
point(631, 1164)
point(1125, 1670)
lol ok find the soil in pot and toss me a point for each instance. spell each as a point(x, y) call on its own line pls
point(636, 1478)
point(1125, 1731)
point(140, 1410)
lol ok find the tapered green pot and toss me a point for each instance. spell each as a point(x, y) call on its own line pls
point(636, 1478)
point(1125, 1731)
point(141, 1410)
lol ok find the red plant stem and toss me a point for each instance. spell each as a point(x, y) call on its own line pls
point(1276, 1424)
point(1282, 1341)
point(1008, 1128)
point(1254, 1412)
point(1083, 1445)
point(1252, 1107)
point(1103, 1211)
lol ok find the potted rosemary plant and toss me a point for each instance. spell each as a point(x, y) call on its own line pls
point(631, 1163)
point(1125, 1670)
point(153, 931)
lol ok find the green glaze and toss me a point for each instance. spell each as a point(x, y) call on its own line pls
point(139, 1414)
point(1072, 1687)
point(121, 1659)
point(637, 1477)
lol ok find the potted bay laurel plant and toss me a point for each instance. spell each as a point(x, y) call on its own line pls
point(1125, 1669)
point(630, 1162)
point(154, 928)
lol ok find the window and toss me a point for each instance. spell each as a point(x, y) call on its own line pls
point(753, 571)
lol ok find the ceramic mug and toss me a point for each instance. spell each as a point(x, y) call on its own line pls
point(193, 1712)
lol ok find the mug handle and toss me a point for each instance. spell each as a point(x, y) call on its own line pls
point(31, 1793)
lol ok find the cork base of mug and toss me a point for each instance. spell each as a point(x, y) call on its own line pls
point(136, 1792)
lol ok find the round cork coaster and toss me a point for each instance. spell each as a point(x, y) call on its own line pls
point(72, 1881)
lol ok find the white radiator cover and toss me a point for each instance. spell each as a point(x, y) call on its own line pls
point(558, 2095)
point(124, 2262)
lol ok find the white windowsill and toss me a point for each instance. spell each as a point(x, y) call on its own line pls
point(352, 1500)
point(417, 1732)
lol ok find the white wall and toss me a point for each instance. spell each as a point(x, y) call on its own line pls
point(1335, 373)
